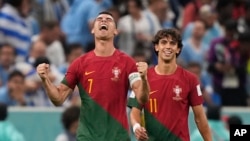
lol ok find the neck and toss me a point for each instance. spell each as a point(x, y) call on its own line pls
point(152, 8)
point(165, 68)
point(196, 42)
point(136, 16)
point(104, 48)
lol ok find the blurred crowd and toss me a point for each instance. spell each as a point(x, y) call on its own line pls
point(216, 38)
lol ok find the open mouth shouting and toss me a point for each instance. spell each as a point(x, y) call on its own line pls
point(103, 27)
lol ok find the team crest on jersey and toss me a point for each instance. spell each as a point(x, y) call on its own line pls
point(177, 90)
point(116, 71)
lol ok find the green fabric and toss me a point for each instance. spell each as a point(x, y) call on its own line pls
point(156, 131)
point(96, 124)
point(9, 133)
point(132, 102)
point(219, 131)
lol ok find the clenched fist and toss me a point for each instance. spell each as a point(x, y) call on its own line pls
point(142, 68)
point(43, 71)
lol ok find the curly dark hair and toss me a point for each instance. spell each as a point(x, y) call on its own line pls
point(169, 33)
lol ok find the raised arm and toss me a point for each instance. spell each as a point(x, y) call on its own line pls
point(201, 122)
point(140, 86)
point(57, 94)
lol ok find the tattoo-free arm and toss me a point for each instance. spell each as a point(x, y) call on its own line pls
point(141, 90)
point(57, 94)
point(202, 123)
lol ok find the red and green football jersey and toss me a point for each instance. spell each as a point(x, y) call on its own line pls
point(166, 112)
point(103, 85)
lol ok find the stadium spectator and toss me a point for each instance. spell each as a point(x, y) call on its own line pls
point(15, 26)
point(135, 28)
point(7, 62)
point(74, 51)
point(233, 120)
point(244, 20)
point(51, 10)
point(69, 119)
point(226, 68)
point(37, 49)
point(191, 11)
point(83, 13)
point(13, 94)
point(194, 50)
point(217, 126)
point(8, 130)
point(50, 34)
point(213, 28)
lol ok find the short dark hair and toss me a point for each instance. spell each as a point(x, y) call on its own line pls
point(72, 47)
point(234, 120)
point(3, 111)
point(8, 46)
point(14, 3)
point(108, 13)
point(170, 32)
point(214, 112)
point(138, 3)
point(70, 115)
point(15, 73)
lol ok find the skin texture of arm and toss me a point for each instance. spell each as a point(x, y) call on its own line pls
point(141, 87)
point(201, 122)
point(141, 90)
point(57, 94)
point(135, 117)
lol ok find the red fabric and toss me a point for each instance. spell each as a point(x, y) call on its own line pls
point(105, 79)
point(170, 99)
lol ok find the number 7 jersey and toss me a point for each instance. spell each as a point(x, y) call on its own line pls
point(166, 112)
point(103, 85)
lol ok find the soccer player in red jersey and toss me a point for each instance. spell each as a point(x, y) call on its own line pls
point(103, 77)
point(173, 91)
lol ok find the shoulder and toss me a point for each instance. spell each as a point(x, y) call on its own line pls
point(61, 137)
point(123, 56)
point(151, 69)
point(187, 74)
point(85, 57)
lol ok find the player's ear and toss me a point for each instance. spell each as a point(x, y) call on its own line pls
point(116, 32)
point(178, 50)
point(92, 31)
point(156, 47)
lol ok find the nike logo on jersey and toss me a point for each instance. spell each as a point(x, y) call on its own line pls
point(153, 92)
point(89, 72)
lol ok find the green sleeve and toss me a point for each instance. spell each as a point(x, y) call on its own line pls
point(132, 102)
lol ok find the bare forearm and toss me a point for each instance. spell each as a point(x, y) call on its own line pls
point(204, 130)
point(144, 95)
point(52, 92)
point(135, 116)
